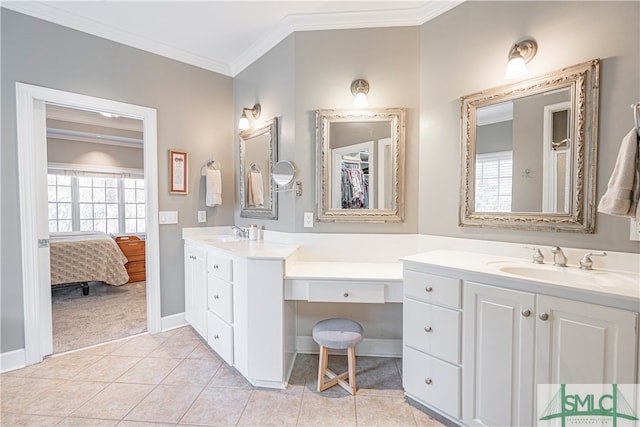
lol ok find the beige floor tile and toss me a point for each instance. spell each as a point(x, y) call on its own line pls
point(18, 392)
point(217, 407)
point(378, 376)
point(193, 372)
point(383, 411)
point(64, 366)
point(323, 410)
point(203, 351)
point(127, 423)
point(175, 349)
point(114, 402)
point(228, 377)
point(65, 398)
point(87, 422)
point(271, 408)
point(165, 404)
point(108, 368)
point(20, 420)
point(140, 346)
point(149, 371)
point(422, 419)
point(103, 349)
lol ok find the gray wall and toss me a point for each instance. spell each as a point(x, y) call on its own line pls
point(464, 51)
point(194, 109)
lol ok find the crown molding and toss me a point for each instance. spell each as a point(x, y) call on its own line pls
point(292, 23)
point(48, 12)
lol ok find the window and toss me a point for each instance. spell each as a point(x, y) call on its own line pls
point(92, 201)
point(494, 172)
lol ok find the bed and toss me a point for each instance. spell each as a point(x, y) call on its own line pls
point(86, 256)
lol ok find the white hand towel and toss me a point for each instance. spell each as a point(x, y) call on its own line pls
point(213, 196)
point(623, 189)
point(256, 189)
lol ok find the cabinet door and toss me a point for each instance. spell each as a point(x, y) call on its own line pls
point(432, 329)
point(195, 289)
point(498, 336)
point(581, 343)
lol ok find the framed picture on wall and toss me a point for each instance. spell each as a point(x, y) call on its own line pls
point(178, 167)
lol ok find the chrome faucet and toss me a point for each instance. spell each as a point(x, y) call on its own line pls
point(240, 232)
point(586, 263)
point(538, 258)
point(559, 259)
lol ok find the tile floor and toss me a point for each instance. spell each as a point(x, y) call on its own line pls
point(173, 378)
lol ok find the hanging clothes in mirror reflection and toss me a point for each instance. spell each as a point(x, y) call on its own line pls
point(255, 187)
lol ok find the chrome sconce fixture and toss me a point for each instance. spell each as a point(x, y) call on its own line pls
point(360, 89)
point(243, 124)
point(520, 54)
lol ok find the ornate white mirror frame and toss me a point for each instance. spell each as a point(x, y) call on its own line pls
point(258, 154)
point(377, 136)
point(577, 211)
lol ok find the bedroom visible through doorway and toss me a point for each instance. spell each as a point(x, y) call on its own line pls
point(96, 220)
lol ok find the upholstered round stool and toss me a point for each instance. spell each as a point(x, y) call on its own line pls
point(338, 334)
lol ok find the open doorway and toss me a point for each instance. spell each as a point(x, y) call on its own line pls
point(96, 220)
point(31, 104)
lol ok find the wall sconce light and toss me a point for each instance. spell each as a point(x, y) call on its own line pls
point(360, 89)
point(520, 54)
point(243, 124)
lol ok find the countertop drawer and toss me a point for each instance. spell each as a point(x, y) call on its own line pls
point(432, 288)
point(220, 297)
point(432, 329)
point(220, 337)
point(220, 266)
point(346, 292)
point(432, 381)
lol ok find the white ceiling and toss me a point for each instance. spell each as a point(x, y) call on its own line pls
point(223, 36)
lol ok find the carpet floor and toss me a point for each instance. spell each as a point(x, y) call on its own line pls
point(106, 314)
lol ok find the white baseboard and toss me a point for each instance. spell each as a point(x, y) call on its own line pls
point(172, 322)
point(12, 360)
point(368, 347)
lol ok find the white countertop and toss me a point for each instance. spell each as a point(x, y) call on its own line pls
point(253, 249)
point(384, 271)
point(598, 281)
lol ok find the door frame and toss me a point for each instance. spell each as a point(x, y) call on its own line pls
point(32, 148)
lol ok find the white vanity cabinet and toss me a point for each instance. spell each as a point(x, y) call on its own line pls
point(431, 340)
point(508, 333)
point(195, 290)
point(220, 305)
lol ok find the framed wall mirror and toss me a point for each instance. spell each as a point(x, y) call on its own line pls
point(258, 154)
point(360, 165)
point(529, 153)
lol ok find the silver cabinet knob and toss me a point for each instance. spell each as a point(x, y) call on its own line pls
point(543, 316)
point(526, 312)
point(428, 288)
point(428, 381)
point(216, 297)
point(427, 329)
point(346, 294)
point(215, 267)
point(216, 337)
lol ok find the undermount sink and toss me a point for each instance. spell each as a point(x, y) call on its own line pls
point(221, 238)
point(562, 275)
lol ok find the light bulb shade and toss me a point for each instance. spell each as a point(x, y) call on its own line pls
point(360, 100)
point(243, 124)
point(516, 68)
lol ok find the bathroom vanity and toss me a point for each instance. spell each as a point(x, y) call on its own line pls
point(481, 332)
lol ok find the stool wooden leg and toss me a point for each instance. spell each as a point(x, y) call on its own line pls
point(351, 360)
point(322, 366)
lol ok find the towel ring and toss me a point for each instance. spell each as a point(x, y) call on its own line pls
point(208, 165)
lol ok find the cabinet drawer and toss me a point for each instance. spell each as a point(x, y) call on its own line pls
point(135, 267)
point(131, 246)
point(220, 298)
point(137, 277)
point(220, 337)
point(432, 381)
point(432, 329)
point(220, 266)
point(346, 292)
point(432, 288)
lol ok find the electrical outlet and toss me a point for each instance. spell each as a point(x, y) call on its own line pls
point(202, 216)
point(308, 219)
point(634, 230)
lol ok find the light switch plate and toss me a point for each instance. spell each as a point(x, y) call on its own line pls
point(308, 220)
point(634, 232)
point(168, 217)
point(202, 216)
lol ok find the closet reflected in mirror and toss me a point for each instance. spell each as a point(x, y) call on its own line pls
point(360, 165)
point(258, 153)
